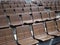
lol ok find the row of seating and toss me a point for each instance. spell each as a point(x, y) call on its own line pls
point(25, 34)
point(39, 32)
point(16, 5)
point(27, 18)
point(10, 11)
point(53, 5)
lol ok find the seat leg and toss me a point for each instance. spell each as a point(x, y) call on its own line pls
point(51, 41)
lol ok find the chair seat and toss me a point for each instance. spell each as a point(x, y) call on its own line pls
point(55, 33)
point(43, 37)
point(28, 41)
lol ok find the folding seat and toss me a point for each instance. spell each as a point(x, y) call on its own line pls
point(45, 15)
point(18, 10)
point(6, 37)
point(58, 24)
point(26, 18)
point(36, 16)
point(41, 8)
point(15, 20)
point(39, 32)
point(27, 9)
point(52, 14)
point(34, 9)
point(24, 35)
point(51, 28)
point(1, 12)
point(3, 21)
point(10, 11)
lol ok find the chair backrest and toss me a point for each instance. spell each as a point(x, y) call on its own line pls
point(27, 5)
point(58, 24)
point(45, 15)
point(27, 9)
point(41, 8)
point(10, 11)
point(3, 21)
point(34, 9)
point(26, 17)
point(51, 26)
point(6, 6)
point(18, 10)
point(23, 32)
point(38, 29)
point(52, 14)
point(36, 15)
point(13, 5)
point(15, 20)
point(1, 12)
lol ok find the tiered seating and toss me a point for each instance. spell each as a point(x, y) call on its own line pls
point(20, 15)
point(39, 32)
point(6, 37)
point(24, 35)
point(52, 29)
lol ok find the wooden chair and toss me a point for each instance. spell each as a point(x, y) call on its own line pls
point(24, 35)
point(39, 32)
point(36, 16)
point(52, 29)
point(6, 37)
point(15, 20)
point(3, 21)
point(26, 18)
